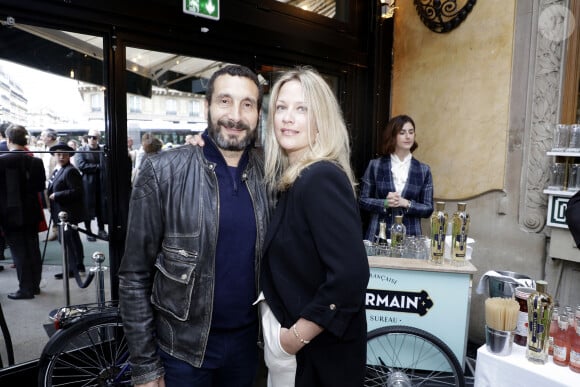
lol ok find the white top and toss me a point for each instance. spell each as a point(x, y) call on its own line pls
point(400, 171)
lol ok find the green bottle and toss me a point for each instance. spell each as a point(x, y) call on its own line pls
point(540, 307)
point(438, 231)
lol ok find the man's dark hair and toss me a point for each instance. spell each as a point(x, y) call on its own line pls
point(234, 71)
point(3, 127)
point(17, 134)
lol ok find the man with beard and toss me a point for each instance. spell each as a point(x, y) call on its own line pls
point(196, 224)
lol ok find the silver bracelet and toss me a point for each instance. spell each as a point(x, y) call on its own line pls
point(298, 335)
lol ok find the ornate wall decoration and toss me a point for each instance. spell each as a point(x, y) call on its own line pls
point(547, 62)
point(443, 15)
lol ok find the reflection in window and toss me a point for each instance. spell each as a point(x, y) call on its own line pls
point(321, 7)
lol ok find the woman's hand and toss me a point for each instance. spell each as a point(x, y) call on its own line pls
point(300, 334)
point(395, 200)
point(196, 140)
point(288, 342)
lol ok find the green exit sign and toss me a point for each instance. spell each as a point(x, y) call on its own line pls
point(203, 8)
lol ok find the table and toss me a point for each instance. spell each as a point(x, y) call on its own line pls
point(517, 371)
point(421, 294)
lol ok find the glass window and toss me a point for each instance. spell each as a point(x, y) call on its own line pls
point(171, 107)
point(38, 92)
point(96, 102)
point(134, 104)
point(195, 109)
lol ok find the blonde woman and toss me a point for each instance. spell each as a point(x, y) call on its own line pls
point(314, 270)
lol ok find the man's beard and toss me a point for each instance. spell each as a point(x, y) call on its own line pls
point(231, 143)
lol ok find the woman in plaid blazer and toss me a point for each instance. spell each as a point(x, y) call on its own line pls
point(397, 183)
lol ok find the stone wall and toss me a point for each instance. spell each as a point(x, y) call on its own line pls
point(484, 97)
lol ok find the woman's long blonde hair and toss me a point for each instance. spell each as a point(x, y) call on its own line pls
point(330, 142)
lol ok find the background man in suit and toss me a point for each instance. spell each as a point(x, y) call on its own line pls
point(22, 179)
point(91, 164)
point(3, 148)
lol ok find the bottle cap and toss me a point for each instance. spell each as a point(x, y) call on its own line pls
point(440, 206)
point(461, 206)
point(541, 286)
point(399, 218)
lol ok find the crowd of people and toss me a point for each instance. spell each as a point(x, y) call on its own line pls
point(41, 175)
point(74, 180)
point(225, 236)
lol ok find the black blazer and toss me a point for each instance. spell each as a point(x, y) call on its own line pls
point(315, 265)
point(67, 186)
point(21, 180)
point(573, 217)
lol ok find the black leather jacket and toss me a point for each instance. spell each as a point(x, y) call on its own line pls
point(166, 277)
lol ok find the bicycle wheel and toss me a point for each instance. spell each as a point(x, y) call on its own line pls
point(405, 356)
point(90, 352)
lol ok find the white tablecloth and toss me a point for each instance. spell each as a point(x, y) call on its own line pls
point(517, 371)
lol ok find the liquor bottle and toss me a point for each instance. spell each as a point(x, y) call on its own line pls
point(382, 237)
point(571, 330)
point(398, 232)
point(561, 343)
point(553, 330)
point(540, 306)
point(575, 346)
point(438, 232)
point(459, 235)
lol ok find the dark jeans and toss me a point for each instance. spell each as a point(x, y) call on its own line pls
point(233, 361)
point(2, 244)
point(74, 246)
point(25, 251)
point(99, 214)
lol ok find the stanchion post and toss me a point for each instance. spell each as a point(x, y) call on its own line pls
point(62, 228)
point(99, 269)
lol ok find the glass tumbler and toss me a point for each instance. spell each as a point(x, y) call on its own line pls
point(557, 172)
point(574, 143)
point(561, 137)
point(574, 177)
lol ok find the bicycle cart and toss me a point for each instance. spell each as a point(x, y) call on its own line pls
point(418, 320)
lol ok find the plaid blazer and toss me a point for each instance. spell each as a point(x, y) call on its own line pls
point(377, 182)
